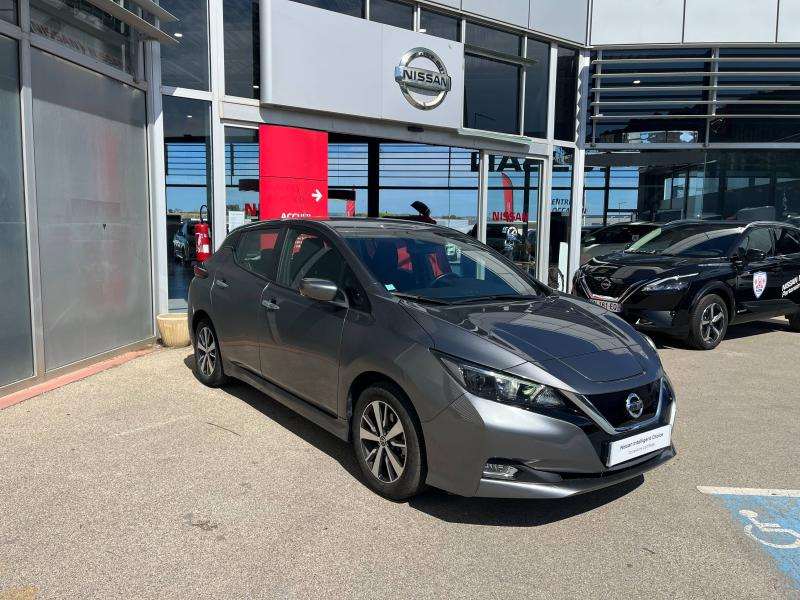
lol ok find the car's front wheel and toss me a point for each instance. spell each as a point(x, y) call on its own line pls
point(388, 443)
point(207, 358)
point(708, 323)
point(794, 321)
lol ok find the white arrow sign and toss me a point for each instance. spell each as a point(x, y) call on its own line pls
point(317, 195)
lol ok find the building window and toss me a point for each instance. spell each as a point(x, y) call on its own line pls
point(354, 8)
point(494, 40)
point(185, 64)
point(537, 77)
point(566, 94)
point(390, 12)
point(443, 26)
point(560, 219)
point(241, 176)
point(8, 12)
point(16, 352)
point(187, 149)
point(491, 94)
point(650, 96)
point(84, 28)
point(242, 47)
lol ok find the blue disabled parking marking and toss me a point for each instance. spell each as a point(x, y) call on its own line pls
point(769, 517)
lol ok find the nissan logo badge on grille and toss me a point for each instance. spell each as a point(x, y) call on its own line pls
point(605, 283)
point(424, 89)
point(634, 405)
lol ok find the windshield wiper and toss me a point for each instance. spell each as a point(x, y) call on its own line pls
point(641, 251)
point(420, 299)
point(495, 297)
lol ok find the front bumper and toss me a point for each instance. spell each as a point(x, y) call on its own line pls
point(660, 312)
point(557, 456)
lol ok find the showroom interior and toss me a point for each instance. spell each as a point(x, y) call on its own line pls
point(125, 123)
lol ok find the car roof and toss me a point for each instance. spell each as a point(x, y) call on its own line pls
point(721, 223)
point(351, 223)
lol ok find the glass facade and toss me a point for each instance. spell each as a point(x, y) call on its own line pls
point(440, 25)
point(241, 176)
point(187, 160)
point(560, 219)
point(390, 12)
point(666, 185)
point(85, 29)
point(491, 94)
point(242, 47)
point(185, 64)
point(16, 345)
point(537, 76)
point(8, 10)
point(566, 94)
point(354, 8)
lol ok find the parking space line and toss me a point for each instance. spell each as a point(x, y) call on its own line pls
point(734, 491)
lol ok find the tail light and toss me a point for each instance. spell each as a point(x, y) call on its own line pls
point(200, 271)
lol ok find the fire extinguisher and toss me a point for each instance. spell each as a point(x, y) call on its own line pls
point(202, 240)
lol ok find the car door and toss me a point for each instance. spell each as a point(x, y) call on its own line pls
point(300, 351)
point(787, 248)
point(758, 281)
point(236, 293)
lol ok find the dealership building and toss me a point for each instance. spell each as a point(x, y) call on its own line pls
point(125, 122)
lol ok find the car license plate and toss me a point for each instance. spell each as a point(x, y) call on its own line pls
point(612, 306)
point(639, 445)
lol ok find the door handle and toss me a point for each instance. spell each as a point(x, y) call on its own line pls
point(221, 283)
point(270, 304)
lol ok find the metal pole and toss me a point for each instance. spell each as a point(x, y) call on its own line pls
point(483, 194)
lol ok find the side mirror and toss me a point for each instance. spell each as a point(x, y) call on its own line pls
point(318, 289)
point(755, 255)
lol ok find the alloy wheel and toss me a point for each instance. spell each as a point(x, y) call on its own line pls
point(711, 323)
point(206, 351)
point(383, 441)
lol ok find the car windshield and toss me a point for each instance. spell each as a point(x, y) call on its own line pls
point(695, 240)
point(437, 265)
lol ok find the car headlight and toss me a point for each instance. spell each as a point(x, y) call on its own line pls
point(666, 285)
point(501, 387)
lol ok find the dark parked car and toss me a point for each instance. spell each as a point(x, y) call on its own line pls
point(183, 244)
point(691, 279)
point(440, 360)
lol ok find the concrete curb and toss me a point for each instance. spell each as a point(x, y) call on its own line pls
point(41, 388)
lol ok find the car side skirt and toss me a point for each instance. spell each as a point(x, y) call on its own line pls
point(338, 427)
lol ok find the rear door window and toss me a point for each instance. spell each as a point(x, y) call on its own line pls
point(757, 239)
point(787, 242)
point(257, 251)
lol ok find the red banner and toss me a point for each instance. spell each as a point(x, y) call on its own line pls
point(293, 172)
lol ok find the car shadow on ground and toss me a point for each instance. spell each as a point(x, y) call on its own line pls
point(734, 332)
point(433, 502)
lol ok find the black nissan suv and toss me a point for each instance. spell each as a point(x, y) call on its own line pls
point(691, 279)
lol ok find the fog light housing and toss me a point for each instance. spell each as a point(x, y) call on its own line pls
point(494, 470)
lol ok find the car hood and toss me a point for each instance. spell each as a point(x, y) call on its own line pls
point(574, 341)
point(633, 268)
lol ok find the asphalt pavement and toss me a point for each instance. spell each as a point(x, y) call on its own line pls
point(141, 483)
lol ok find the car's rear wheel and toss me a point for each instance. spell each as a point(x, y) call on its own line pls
point(794, 321)
point(387, 441)
point(708, 323)
point(207, 357)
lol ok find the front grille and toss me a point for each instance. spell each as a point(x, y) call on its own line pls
point(613, 405)
point(595, 286)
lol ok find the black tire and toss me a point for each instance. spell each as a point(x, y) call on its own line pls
point(794, 321)
point(387, 451)
point(708, 323)
point(207, 358)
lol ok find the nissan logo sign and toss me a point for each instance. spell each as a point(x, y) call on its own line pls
point(634, 405)
point(605, 284)
point(424, 88)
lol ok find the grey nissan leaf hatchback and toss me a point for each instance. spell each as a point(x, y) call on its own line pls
point(440, 361)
